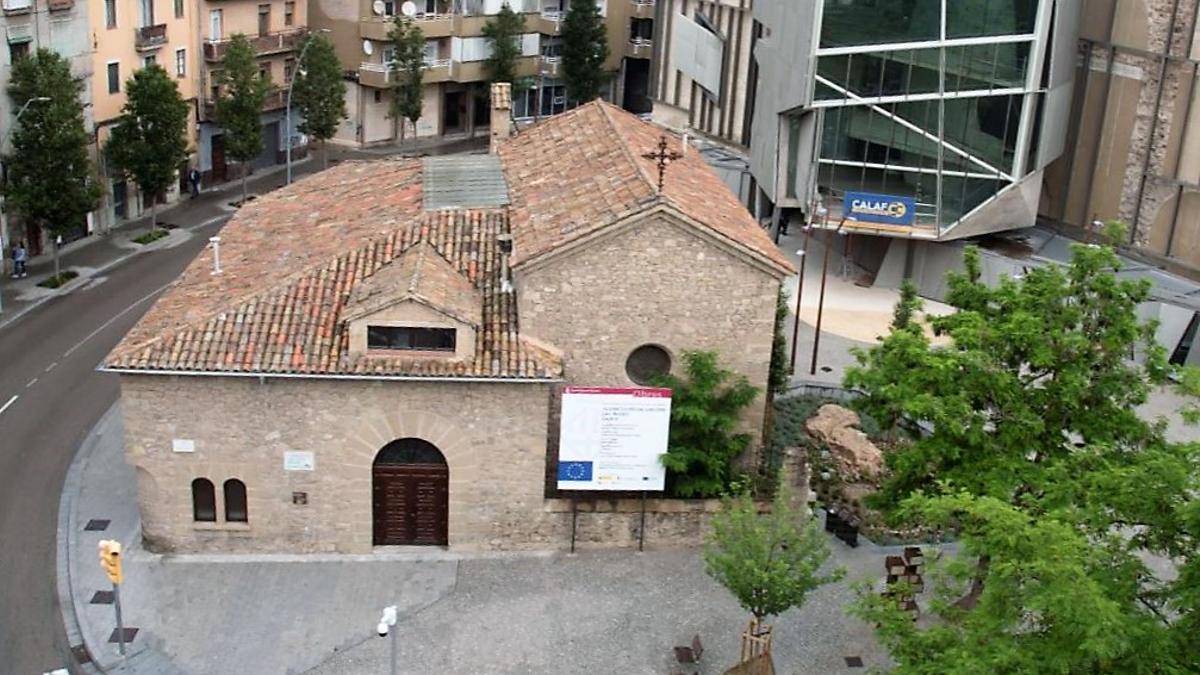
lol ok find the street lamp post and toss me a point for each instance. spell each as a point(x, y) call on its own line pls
point(3, 208)
point(288, 109)
point(823, 213)
point(387, 623)
point(821, 301)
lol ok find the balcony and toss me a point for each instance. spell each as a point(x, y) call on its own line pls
point(547, 22)
point(551, 65)
point(639, 48)
point(276, 99)
point(58, 5)
point(379, 76)
point(643, 9)
point(264, 45)
point(149, 38)
point(432, 25)
point(17, 6)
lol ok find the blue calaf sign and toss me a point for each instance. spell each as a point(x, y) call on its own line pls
point(873, 208)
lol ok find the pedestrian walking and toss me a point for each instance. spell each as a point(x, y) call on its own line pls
point(20, 257)
point(194, 179)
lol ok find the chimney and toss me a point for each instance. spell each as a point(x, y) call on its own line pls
point(501, 114)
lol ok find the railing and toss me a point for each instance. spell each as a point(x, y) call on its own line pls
point(639, 43)
point(644, 3)
point(276, 98)
point(272, 43)
point(150, 37)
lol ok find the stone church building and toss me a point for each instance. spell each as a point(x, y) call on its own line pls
point(377, 360)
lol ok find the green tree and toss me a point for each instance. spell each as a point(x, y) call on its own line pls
point(149, 141)
point(50, 180)
point(706, 409)
point(769, 561)
point(504, 30)
point(320, 93)
point(1037, 458)
point(780, 370)
point(584, 51)
point(407, 71)
point(240, 103)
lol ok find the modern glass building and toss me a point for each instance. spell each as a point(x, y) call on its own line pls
point(916, 118)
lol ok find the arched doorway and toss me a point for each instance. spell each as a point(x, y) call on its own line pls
point(410, 488)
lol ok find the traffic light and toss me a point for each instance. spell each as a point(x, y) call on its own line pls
point(110, 559)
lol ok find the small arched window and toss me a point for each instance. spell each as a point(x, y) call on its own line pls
point(235, 501)
point(204, 501)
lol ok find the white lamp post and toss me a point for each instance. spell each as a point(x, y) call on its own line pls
point(386, 623)
point(288, 109)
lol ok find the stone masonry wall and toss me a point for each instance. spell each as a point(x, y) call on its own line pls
point(658, 282)
point(492, 435)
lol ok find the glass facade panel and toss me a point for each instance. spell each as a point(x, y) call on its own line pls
point(993, 66)
point(960, 195)
point(975, 18)
point(985, 127)
point(870, 22)
point(860, 134)
point(909, 71)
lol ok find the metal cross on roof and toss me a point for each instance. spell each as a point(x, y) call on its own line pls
point(663, 157)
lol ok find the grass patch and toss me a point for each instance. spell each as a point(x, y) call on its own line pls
point(59, 279)
point(152, 235)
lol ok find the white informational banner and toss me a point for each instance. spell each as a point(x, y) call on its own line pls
point(612, 438)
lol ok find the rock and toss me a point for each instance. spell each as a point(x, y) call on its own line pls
point(854, 455)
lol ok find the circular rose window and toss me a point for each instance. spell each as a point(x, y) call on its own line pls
point(647, 362)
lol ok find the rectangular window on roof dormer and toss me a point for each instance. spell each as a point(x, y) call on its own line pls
point(405, 338)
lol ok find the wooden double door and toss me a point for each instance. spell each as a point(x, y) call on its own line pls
point(410, 501)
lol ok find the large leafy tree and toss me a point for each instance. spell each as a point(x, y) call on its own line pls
point(240, 103)
point(504, 30)
point(407, 70)
point(769, 561)
point(320, 92)
point(584, 51)
point(149, 141)
point(51, 182)
point(706, 407)
point(1036, 457)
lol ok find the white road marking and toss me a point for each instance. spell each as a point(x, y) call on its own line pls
point(10, 402)
point(123, 312)
point(31, 383)
point(51, 366)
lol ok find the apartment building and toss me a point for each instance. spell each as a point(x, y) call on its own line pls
point(456, 101)
point(126, 36)
point(277, 29)
point(29, 25)
point(703, 69)
point(1134, 136)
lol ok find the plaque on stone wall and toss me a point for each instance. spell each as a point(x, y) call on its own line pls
point(298, 460)
point(183, 445)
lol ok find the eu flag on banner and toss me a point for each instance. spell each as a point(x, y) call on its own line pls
point(580, 471)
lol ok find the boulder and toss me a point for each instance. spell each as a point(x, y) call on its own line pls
point(854, 455)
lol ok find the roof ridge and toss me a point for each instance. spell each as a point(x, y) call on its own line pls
point(621, 141)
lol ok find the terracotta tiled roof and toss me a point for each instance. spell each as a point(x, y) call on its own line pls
point(291, 262)
point(426, 277)
point(578, 172)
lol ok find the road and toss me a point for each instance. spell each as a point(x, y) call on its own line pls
point(52, 396)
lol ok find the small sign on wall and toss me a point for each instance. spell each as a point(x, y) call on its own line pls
point(299, 460)
point(183, 445)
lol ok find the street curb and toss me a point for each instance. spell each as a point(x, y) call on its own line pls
point(73, 286)
point(72, 486)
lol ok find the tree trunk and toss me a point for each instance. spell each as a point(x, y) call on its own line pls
point(244, 170)
point(153, 214)
point(968, 601)
point(57, 271)
point(324, 154)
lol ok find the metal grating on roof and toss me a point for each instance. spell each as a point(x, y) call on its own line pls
point(463, 182)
